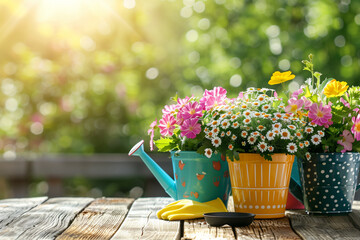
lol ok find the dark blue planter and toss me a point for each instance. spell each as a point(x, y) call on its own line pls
point(328, 182)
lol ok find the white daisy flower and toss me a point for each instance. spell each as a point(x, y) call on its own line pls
point(277, 125)
point(247, 113)
point(209, 135)
point(255, 133)
point(233, 137)
point(301, 145)
point(235, 125)
point(261, 128)
point(228, 133)
point(262, 146)
point(243, 106)
point(270, 148)
point(223, 116)
point(291, 148)
point(316, 139)
point(256, 104)
point(222, 134)
point(299, 135)
point(309, 130)
point(231, 147)
point(270, 135)
point(247, 120)
point(216, 141)
point(225, 124)
point(321, 133)
point(265, 108)
point(208, 152)
point(285, 134)
point(243, 143)
point(261, 98)
point(233, 118)
point(251, 140)
point(307, 155)
point(216, 131)
point(206, 130)
point(257, 114)
point(214, 123)
point(244, 134)
point(292, 127)
point(307, 143)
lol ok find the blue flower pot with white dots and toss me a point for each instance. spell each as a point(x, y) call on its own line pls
point(328, 182)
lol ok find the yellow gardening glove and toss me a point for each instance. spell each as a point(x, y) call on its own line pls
point(188, 209)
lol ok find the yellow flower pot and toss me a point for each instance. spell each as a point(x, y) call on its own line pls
point(260, 186)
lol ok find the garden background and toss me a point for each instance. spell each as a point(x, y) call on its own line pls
point(89, 76)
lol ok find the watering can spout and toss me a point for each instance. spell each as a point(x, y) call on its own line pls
point(164, 179)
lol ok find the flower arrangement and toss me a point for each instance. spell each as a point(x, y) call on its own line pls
point(331, 109)
point(181, 126)
point(254, 122)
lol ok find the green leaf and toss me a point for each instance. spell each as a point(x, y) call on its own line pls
point(165, 144)
point(307, 92)
point(323, 84)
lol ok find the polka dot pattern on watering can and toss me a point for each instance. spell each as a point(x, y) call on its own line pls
point(329, 182)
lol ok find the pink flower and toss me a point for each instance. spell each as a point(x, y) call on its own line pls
point(166, 125)
point(297, 93)
point(214, 97)
point(294, 106)
point(241, 95)
point(345, 102)
point(307, 103)
point(356, 127)
point(191, 110)
point(151, 133)
point(346, 141)
point(169, 109)
point(190, 128)
point(320, 115)
point(182, 102)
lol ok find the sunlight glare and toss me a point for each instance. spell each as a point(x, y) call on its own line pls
point(62, 10)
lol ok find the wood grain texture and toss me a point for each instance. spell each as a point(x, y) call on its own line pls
point(142, 223)
point(199, 229)
point(267, 229)
point(315, 227)
point(99, 220)
point(11, 209)
point(355, 215)
point(45, 221)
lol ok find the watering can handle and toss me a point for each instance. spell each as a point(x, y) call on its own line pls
point(296, 190)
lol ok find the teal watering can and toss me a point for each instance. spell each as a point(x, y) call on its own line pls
point(196, 177)
point(328, 182)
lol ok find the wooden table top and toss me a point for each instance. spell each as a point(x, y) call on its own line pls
point(125, 218)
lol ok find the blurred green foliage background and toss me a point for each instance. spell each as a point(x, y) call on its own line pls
point(89, 76)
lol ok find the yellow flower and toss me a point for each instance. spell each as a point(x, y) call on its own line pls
point(279, 77)
point(335, 88)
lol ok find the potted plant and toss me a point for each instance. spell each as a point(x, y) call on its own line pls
point(329, 169)
point(260, 140)
point(181, 132)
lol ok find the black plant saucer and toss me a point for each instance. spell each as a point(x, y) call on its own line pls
point(234, 219)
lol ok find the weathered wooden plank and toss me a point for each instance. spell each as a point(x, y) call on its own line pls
point(11, 209)
point(355, 215)
point(142, 223)
point(315, 227)
point(45, 221)
point(267, 229)
point(99, 220)
point(199, 229)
